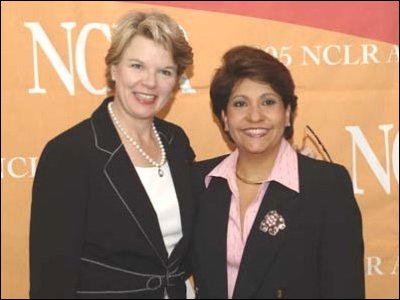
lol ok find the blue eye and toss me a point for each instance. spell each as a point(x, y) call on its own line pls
point(167, 73)
point(137, 66)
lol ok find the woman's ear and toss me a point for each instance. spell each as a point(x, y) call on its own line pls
point(113, 71)
point(225, 120)
point(287, 117)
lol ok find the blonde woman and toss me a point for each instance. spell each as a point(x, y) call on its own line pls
point(112, 207)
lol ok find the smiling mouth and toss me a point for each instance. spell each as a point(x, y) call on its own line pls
point(144, 98)
point(255, 132)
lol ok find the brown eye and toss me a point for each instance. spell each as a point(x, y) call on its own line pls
point(268, 102)
point(239, 103)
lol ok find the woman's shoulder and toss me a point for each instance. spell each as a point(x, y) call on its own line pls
point(319, 166)
point(319, 173)
point(71, 140)
point(169, 130)
point(203, 167)
point(173, 134)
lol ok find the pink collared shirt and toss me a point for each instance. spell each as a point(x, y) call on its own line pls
point(285, 171)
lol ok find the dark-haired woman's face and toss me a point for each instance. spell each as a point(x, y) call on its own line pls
point(255, 117)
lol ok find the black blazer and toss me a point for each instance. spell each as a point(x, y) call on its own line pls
point(94, 232)
point(318, 255)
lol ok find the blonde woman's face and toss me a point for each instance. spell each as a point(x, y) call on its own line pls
point(145, 78)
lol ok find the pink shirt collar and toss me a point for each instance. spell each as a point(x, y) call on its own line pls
point(285, 170)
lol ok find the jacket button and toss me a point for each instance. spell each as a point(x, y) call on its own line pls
point(154, 283)
point(279, 294)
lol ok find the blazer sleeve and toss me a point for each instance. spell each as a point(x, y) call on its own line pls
point(342, 246)
point(59, 196)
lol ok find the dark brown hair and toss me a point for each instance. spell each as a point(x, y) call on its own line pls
point(247, 62)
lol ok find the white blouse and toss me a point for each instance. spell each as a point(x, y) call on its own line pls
point(162, 194)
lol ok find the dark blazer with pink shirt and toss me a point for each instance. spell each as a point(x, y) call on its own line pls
point(318, 255)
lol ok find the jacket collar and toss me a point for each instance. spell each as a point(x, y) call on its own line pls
point(129, 189)
point(106, 135)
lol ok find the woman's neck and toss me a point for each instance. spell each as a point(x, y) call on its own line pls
point(138, 129)
point(256, 166)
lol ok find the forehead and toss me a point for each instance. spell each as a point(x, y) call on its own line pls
point(250, 87)
point(148, 51)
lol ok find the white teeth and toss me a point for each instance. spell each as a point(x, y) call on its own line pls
point(145, 97)
point(256, 131)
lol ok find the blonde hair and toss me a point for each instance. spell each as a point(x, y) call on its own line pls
point(156, 26)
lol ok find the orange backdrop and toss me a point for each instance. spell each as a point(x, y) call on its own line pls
point(346, 71)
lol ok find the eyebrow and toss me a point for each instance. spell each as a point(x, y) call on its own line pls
point(142, 62)
point(270, 94)
point(262, 95)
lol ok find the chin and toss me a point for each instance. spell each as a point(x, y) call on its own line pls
point(259, 148)
point(254, 150)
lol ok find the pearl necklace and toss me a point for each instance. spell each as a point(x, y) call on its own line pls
point(137, 146)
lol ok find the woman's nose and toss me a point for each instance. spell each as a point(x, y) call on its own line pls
point(254, 114)
point(149, 79)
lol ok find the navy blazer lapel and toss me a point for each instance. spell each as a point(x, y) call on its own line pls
point(214, 230)
point(261, 248)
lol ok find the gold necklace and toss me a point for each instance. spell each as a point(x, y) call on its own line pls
point(247, 180)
